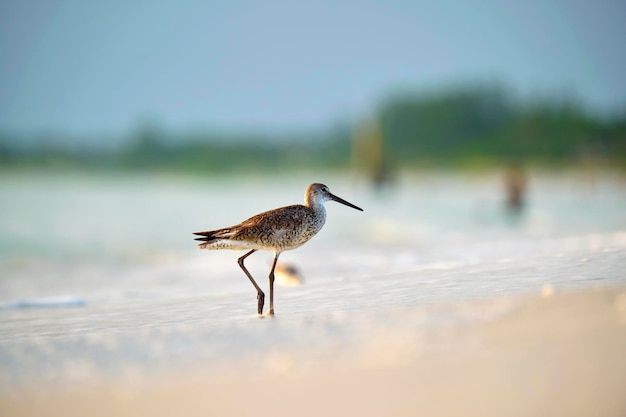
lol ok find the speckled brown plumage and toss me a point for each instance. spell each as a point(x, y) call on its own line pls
point(279, 230)
point(276, 230)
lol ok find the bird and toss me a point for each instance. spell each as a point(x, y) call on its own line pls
point(287, 275)
point(276, 230)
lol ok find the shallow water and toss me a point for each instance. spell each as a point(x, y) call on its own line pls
point(118, 238)
point(103, 270)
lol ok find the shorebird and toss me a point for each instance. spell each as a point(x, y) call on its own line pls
point(277, 230)
point(287, 275)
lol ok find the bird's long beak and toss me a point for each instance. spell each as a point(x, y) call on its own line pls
point(344, 202)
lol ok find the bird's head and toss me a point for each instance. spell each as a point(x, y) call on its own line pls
point(317, 193)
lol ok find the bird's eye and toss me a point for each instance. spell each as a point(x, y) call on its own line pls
point(325, 189)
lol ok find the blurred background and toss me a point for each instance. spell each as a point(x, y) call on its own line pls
point(214, 88)
point(486, 142)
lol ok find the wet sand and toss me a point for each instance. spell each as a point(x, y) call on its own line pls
point(550, 354)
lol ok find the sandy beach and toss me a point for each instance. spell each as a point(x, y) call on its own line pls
point(556, 354)
point(434, 301)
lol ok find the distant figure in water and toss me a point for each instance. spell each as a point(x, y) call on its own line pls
point(371, 155)
point(515, 187)
point(276, 230)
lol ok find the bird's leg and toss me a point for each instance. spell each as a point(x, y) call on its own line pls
point(271, 312)
point(260, 295)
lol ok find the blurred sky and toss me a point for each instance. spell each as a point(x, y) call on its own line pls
point(86, 66)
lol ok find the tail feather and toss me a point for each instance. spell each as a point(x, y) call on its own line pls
point(206, 236)
point(212, 236)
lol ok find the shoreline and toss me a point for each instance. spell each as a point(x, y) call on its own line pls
point(557, 354)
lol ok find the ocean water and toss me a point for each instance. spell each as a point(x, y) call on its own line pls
point(100, 273)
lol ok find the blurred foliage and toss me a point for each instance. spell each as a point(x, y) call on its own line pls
point(485, 123)
point(454, 126)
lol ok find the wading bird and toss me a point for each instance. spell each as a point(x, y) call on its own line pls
point(277, 230)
